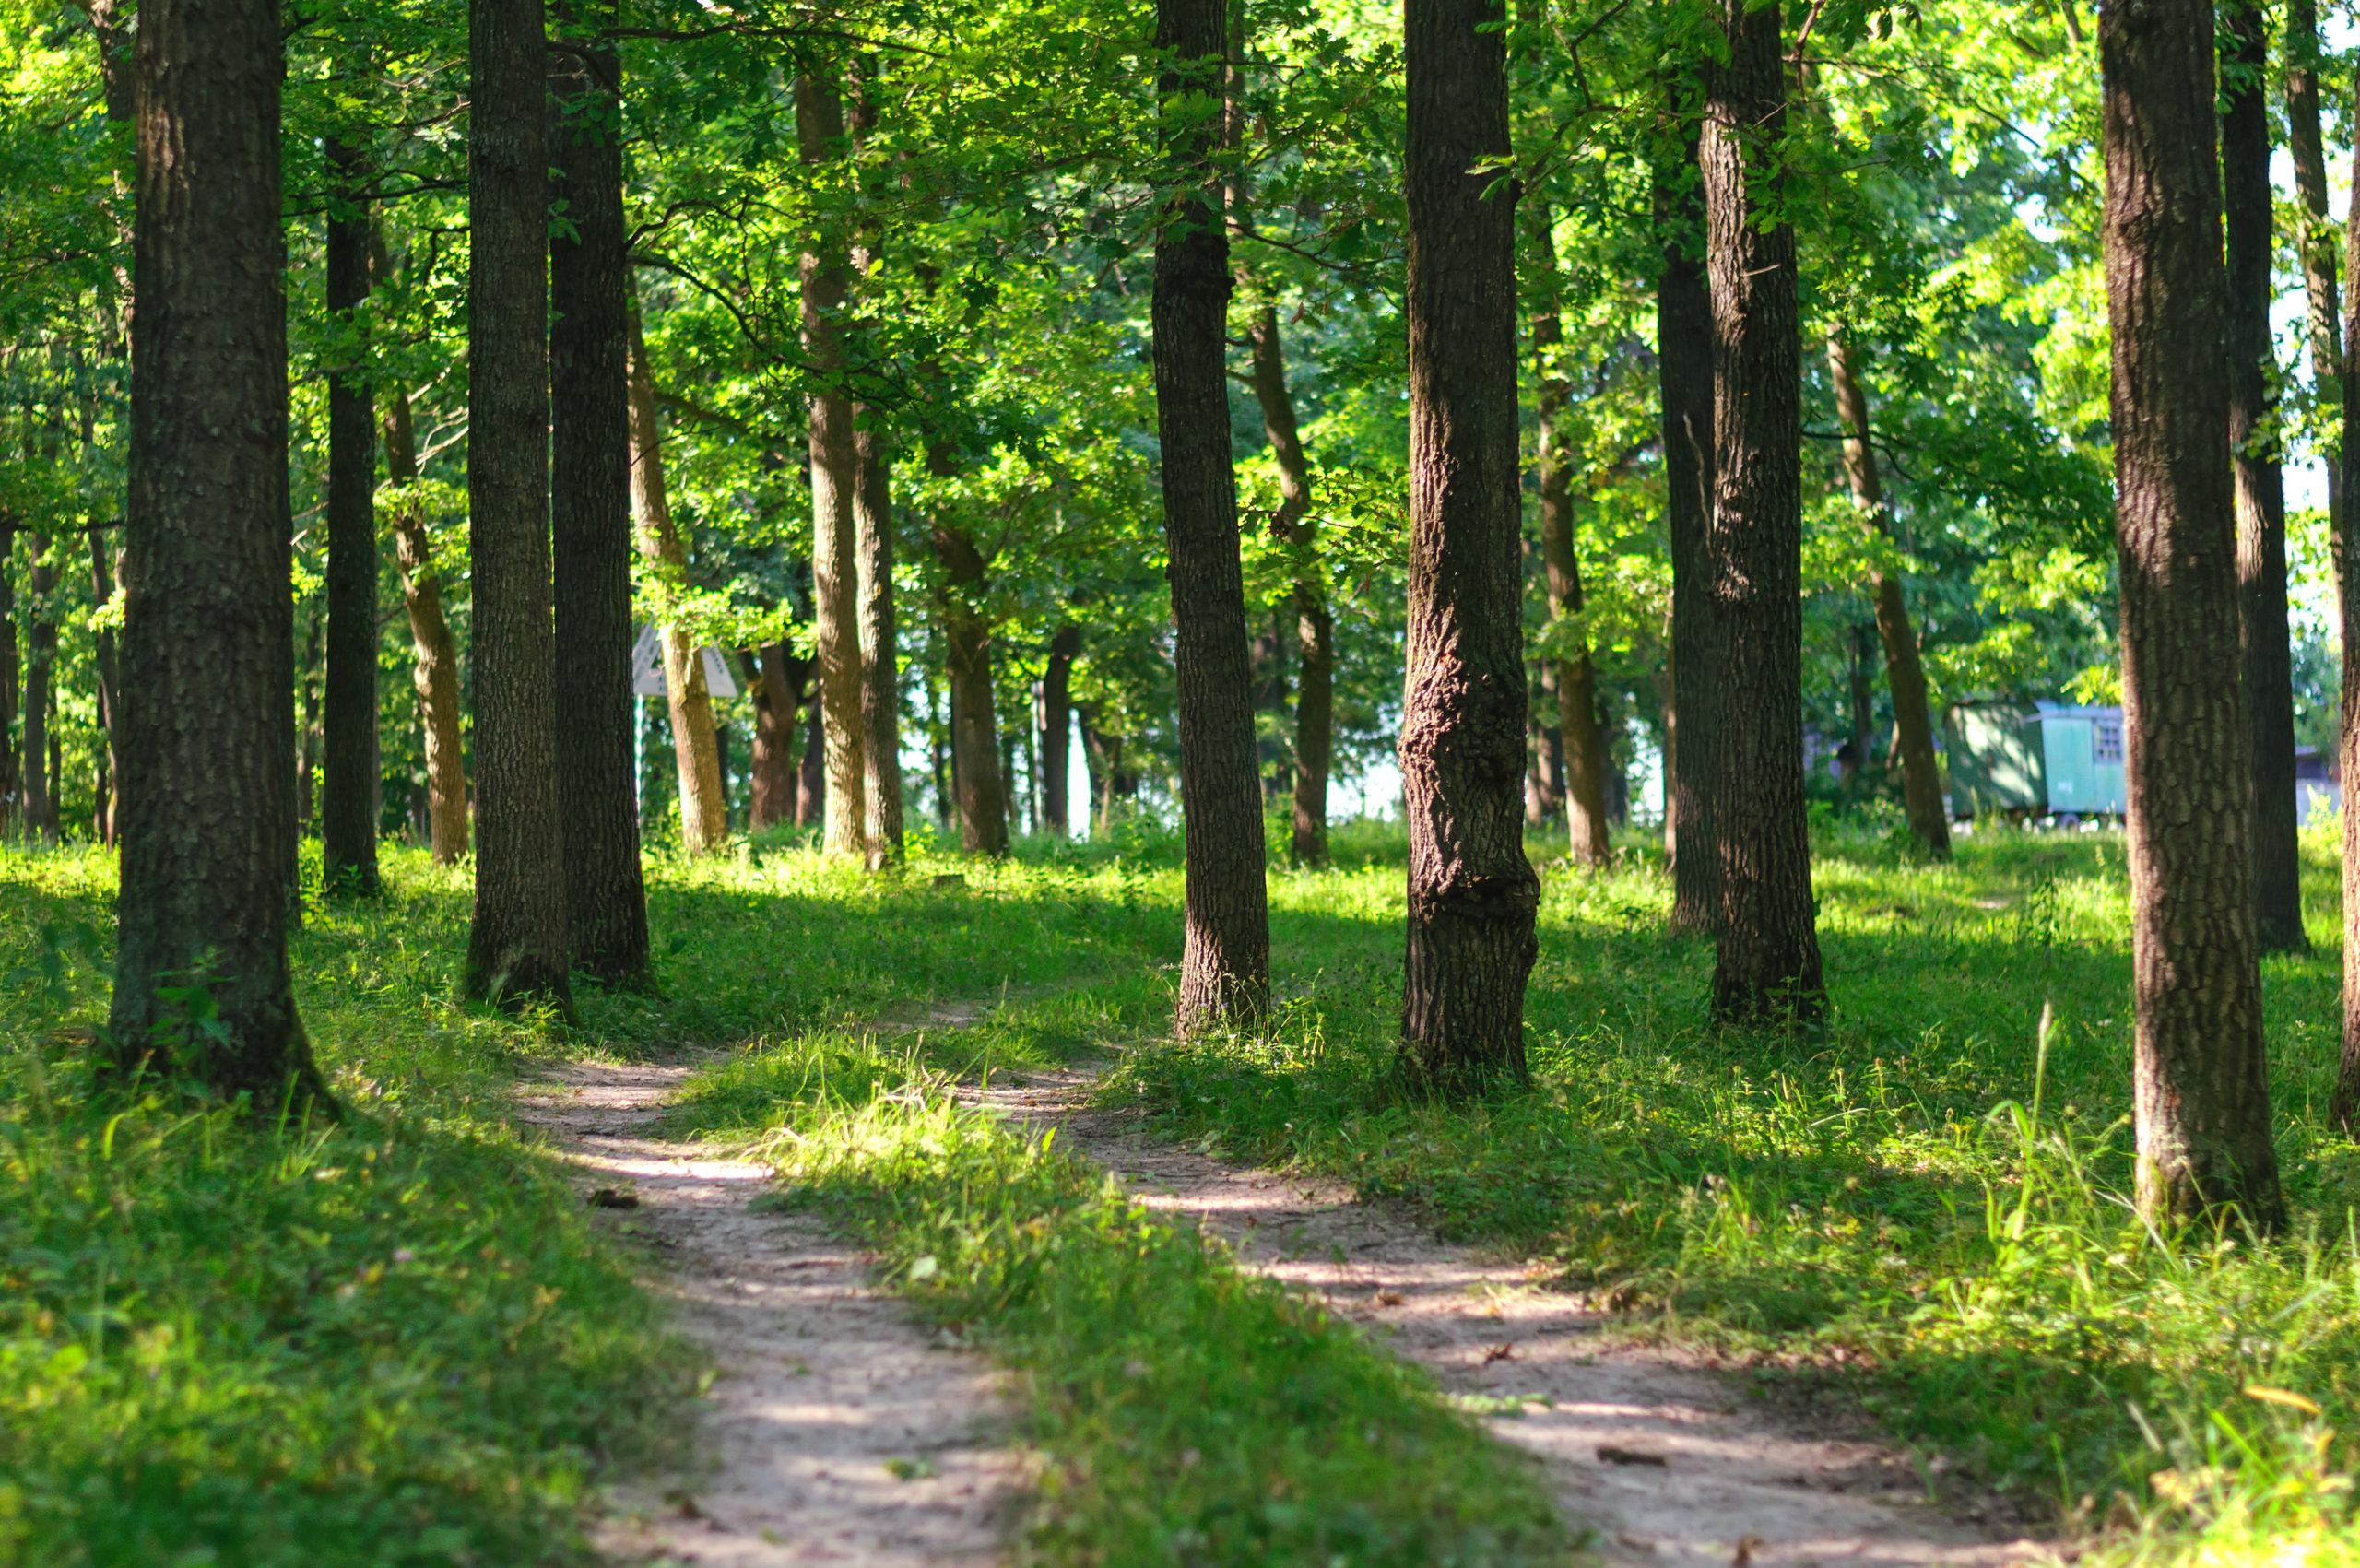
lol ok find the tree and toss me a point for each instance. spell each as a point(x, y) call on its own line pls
point(517, 948)
point(1576, 682)
point(1056, 729)
point(1684, 387)
point(836, 463)
point(1767, 965)
point(705, 816)
point(1921, 773)
point(1472, 896)
point(434, 661)
point(348, 804)
point(2315, 241)
point(201, 974)
point(590, 510)
point(881, 683)
point(975, 733)
point(2267, 665)
point(40, 678)
point(10, 777)
point(1225, 963)
point(2202, 1084)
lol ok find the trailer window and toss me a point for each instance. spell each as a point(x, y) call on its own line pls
point(2105, 742)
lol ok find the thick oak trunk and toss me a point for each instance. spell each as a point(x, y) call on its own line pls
point(206, 818)
point(835, 465)
point(348, 802)
point(976, 778)
point(704, 810)
point(1225, 962)
point(774, 678)
point(1685, 383)
point(518, 948)
point(1472, 895)
point(1315, 690)
point(590, 510)
point(2201, 1099)
point(2254, 442)
point(1056, 729)
point(1766, 966)
point(434, 668)
point(1591, 841)
point(880, 675)
point(1905, 671)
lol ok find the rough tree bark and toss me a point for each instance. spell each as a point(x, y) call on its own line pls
point(2315, 241)
point(41, 676)
point(207, 830)
point(2343, 1107)
point(1684, 383)
point(836, 463)
point(1767, 964)
point(1225, 962)
point(518, 947)
point(880, 675)
point(774, 678)
point(2268, 662)
point(975, 732)
point(1472, 894)
point(2202, 1090)
point(434, 669)
point(590, 507)
point(811, 771)
point(1905, 671)
point(1315, 695)
point(704, 810)
point(348, 802)
point(1591, 841)
point(1056, 729)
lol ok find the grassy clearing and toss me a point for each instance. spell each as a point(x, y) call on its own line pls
point(1188, 1414)
point(1919, 1206)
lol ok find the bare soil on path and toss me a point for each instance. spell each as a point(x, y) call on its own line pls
point(836, 1431)
point(1660, 1458)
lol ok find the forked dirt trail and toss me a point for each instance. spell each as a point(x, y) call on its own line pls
point(1660, 1459)
point(836, 1431)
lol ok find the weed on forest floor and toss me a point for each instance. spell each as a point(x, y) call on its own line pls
point(393, 1336)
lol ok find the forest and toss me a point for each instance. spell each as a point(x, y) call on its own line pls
point(1192, 782)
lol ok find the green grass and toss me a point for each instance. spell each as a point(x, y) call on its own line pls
point(1912, 1207)
point(1187, 1413)
point(395, 1339)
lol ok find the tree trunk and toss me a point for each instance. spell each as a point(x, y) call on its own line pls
point(348, 804)
point(208, 835)
point(880, 675)
point(704, 816)
point(1225, 962)
point(307, 729)
point(1767, 964)
point(590, 495)
point(2343, 1108)
point(836, 463)
point(1684, 381)
point(1590, 841)
point(2268, 662)
point(812, 772)
point(41, 676)
point(110, 683)
point(2202, 1100)
point(1472, 894)
point(1314, 693)
point(1547, 794)
point(2315, 241)
point(1905, 672)
point(1056, 729)
point(975, 734)
point(518, 949)
point(434, 671)
point(11, 781)
point(774, 679)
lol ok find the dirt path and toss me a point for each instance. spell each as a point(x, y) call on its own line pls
point(835, 1432)
point(1660, 1458)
